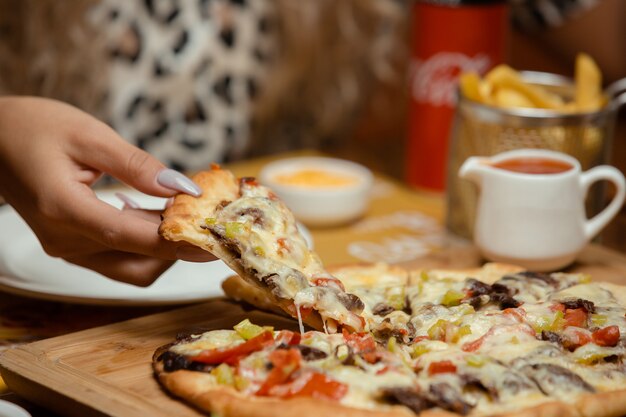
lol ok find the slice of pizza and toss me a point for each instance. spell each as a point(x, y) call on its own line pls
point(487, 342)
point(254, 233)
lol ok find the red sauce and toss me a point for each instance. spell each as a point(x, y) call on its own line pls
point(534, 165)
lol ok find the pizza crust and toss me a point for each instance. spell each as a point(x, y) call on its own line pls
point(604, 404)
point(180, 219)
point(239, 290)
point(549, 409)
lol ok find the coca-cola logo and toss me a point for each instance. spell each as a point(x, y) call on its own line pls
point(435, 79)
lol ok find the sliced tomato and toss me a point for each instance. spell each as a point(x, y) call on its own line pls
point(476, 344)
point(362, 344)
point(370, 357)
point(441, 367)
point(311, 384)
point(576, 317)
point(518, 313)
point(514, 329)
point(573, 338)
point(287, 337)
point(328, 282)
point(285, 362)
point(282, 245)
point(383, 370)
point(234, 354)
point(607, 336)
point(359, 342)
point(557, 307)
point(304, 311)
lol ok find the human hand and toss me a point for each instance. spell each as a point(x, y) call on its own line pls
point(50, 155)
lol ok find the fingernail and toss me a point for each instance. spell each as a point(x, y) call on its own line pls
point(128, 202)
point(193, 254)
point(174, 180)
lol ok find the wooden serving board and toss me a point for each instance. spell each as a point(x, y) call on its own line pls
point(106, 371)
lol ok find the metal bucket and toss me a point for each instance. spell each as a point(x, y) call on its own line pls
point(483, 130)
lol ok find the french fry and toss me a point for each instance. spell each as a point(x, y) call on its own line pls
point(504, 76)
point(470, 86)
point(588, 94)
point(506, 97)
point(475, 89)
point(504, 87)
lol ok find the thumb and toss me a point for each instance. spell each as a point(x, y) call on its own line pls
point(133, 166)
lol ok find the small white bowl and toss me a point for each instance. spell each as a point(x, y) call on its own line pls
point(321, 204)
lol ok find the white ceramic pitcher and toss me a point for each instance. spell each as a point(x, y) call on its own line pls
point(534, 220)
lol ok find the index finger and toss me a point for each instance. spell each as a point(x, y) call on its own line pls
point(109, 152)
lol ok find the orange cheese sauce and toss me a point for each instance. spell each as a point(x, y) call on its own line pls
point(315, 178)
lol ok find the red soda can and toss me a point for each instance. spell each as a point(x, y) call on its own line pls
point(448, 37)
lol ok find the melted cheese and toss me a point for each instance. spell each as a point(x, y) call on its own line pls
point(270, 243)
point(591, 292)
point(299, 314)
point(206, 341)
point(364, 386)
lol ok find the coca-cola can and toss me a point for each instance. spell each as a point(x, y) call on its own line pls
point(449, 37)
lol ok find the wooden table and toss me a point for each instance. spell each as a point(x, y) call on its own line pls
point(401, 226)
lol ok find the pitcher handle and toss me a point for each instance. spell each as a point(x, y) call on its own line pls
point(616, 92)
point(608, 173)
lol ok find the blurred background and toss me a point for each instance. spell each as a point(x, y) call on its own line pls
point(542, 36)
point(200, 81)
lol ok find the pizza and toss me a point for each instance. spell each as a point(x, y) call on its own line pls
point(247, 226)
point(386, 341)
point(492, 341)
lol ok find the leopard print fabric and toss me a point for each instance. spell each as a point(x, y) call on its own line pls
point(184, 74)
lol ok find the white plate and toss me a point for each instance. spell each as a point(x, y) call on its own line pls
point(26, 269)
point(8, 409)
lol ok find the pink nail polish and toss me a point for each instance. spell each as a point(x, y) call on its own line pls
point(128, 202)
point(177, 181)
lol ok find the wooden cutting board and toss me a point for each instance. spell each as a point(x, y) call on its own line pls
point(106, 371)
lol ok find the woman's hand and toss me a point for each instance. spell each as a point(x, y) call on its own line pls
point(50, 155)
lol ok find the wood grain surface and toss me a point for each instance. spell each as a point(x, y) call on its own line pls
point(107, 370)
